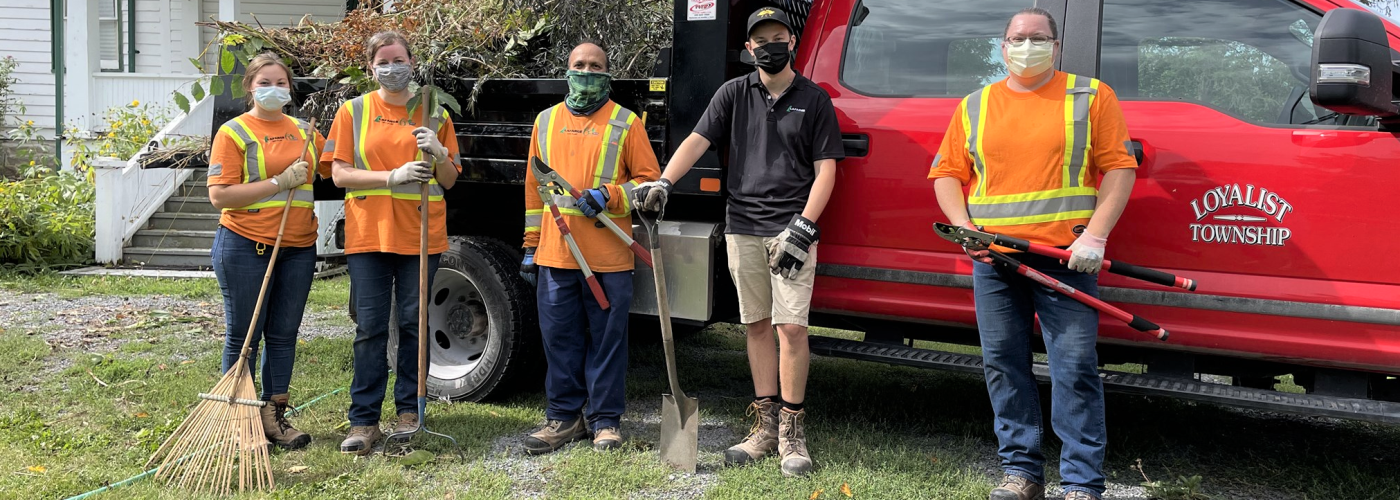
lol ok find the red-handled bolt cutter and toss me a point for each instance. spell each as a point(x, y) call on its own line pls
point(978, 240)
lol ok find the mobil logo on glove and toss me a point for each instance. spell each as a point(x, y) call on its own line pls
point(1240, 215)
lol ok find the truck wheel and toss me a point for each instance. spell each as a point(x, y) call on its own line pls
point(482, 322)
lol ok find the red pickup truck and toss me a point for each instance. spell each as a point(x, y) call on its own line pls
point(1269, 153)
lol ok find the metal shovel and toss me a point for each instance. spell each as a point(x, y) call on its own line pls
point(680, 414)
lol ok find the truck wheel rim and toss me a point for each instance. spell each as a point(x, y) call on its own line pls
point(458, 325)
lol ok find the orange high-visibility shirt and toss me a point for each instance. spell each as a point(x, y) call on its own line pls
point(575, 149)
point(279, 143)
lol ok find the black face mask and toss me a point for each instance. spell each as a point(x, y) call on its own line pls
point(772, 57)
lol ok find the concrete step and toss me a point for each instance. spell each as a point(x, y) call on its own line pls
point(190, 205)
point(157, 238)
point(193, 189)
point(185, 258)
point(183, 222)
point(200, 174)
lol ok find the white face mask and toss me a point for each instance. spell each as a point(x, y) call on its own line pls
point(1029, 60)
point(272, 98)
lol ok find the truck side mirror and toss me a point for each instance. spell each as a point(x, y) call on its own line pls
point(1351, 69)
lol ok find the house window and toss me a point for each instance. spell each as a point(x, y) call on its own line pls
point(109, 24)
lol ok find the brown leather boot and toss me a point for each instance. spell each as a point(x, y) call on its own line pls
point(762, 438)
point(1015, 487)
point(555, 435)
point(279, 431)
point(1081, 495)
point(792, 443)
point(607, 438)
point(407, 423)
point(361, 440)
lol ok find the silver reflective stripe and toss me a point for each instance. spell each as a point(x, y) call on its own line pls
point(250, 153)
point(1033, 207)
point(330, 146)
point(534, 220)
point(614, 145)
point(542, 130)
point(936, 159)
point(413, 189)
point(357, 110)
point(974, 111)
point(216, 170)
point(305, 195)
point(1128, 146)
point(1081, 131)
point(564, 201)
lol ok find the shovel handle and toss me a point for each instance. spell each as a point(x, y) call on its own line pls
point(663, 303)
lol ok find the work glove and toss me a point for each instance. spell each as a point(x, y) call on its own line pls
point(414, 171)
point(429, 143)
point(651, 196)
point(1086, 253)
point(293, 176)
point(982, 255)
point(788, 252)
point(528, 269)
point(593, 202)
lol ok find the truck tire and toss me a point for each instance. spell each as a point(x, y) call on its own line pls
point(481, 315)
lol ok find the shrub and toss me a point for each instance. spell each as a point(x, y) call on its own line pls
point(46, 220)
point(128, 129)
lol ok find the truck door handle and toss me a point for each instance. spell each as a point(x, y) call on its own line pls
point(1135, 147)
point(855, 144)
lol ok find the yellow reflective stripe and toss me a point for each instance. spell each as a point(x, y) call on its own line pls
point(598, 172)
point(1031, 196)
point(627, 208)
point(1088, 133)
point(576, 212)
point(262, 160)
point(275, 204)
point(385, 192)
point(361, 129)
point(542, 131)
point(975, 123)
point(302, 197)
point(1034, 219)
point(621, 147)
point(1068, 157)
point(306, 138)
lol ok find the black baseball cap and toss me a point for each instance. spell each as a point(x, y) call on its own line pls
point(766, 14)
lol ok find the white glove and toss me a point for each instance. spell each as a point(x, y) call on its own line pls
point(414, 171)
point(429, 143)
point(1086, 254)
point(292, 176)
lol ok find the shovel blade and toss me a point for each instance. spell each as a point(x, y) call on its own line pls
point(680, 432)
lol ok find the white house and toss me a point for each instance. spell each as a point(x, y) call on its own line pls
point(116, 51)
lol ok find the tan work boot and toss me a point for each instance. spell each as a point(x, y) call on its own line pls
point(278, 430)
point(792, 443)
point(762, 438)
point(361, 440)
point(407, 424)
point(607, 438)
point(1015, 487)
point(555, 435)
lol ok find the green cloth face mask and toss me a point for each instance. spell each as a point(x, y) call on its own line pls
point(587, 91)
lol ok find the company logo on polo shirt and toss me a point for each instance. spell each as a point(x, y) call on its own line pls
point(589, 130)
point(799, 110)
point(406, 122)
point(273, 139)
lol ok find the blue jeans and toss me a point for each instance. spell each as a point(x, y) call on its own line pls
point(1007, 305)
point(585, 346)
point(373, 277)
point(240, 270)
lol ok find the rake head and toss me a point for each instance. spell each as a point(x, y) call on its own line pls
point(221, 441)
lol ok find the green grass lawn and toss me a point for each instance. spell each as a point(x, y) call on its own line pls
point(71, 421)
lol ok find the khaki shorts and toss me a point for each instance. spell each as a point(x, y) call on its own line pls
point(762, 294)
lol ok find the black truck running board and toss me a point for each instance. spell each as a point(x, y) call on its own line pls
point(1130, 383)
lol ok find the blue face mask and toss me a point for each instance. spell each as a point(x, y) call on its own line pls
point(272, 98)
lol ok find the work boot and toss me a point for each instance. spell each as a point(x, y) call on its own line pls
point(762, 438)
point(607, 438)
point(792, 443)
point(555, 435)
point(361, 440)
point(1081, 495)
point(1015, 487)
point(407, 424)
point(279, 431)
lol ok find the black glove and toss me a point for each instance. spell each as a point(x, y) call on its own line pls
point(651, 196)
point(788, 252)
point(528, 269)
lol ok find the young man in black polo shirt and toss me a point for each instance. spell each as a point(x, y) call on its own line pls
point(784, 143)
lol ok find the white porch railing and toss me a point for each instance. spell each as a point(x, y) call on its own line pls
point(119, 89)
point(127, 194)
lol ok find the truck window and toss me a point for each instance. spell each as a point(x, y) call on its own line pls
point(900, 48)
point(1247, 58)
